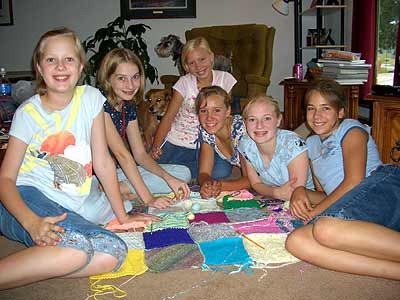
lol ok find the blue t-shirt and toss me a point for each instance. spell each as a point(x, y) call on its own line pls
point(238, 130)
point(288, 146)
point(327, 156)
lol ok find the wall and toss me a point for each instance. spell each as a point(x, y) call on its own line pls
point(33, 17)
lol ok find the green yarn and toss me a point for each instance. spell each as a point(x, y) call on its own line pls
point(229, 204)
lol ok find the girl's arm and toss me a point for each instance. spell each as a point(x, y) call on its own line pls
point(125, 159)
point(354, 165)
point(239, 183)
point(104, 168)
point(147, 162)
point(165, 124)
point(41, 230)
point(208, 187)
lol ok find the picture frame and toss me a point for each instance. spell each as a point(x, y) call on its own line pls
point(6, 13)
point(158, 9)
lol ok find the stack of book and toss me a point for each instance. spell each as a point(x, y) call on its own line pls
point(345, 71)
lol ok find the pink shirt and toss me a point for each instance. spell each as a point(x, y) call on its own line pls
point(185, 127)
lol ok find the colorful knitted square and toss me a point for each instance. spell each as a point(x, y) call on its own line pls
point(211, 218)
point(170, 220)
point(225, 251)
point(230, 204)
point(244, 214)
point(273, 255)
point(173, 258)
point(166, 237)
point(268, 225)
point(133, 265)
point(211, 232)
point(133, 240)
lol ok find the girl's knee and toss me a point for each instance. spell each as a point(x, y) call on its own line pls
point(326, 232)
point(294, 242)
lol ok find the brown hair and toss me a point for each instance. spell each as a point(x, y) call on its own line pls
point(261, 99)
point(206, 92)
point(41, 88)
point(199, 42)
point(108, 67)
point(331, 91)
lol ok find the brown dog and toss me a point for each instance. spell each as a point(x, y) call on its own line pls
point(150, 112)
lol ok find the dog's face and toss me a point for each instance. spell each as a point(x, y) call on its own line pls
point(168, 46)
point(158, 100)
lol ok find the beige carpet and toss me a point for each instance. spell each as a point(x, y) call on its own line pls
point(295, 282)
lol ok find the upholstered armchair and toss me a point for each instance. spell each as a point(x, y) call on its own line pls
point(250, 48)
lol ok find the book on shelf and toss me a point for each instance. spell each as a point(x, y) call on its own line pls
point(341, 61)
point(348, 66)
point(345, 76)
point(345, 70)
point(350, 81)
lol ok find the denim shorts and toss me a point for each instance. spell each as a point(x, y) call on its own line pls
point(173, 154)
point(78, 232)
point(376, 199)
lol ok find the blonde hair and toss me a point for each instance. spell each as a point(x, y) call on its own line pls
point(108, 67)
point(261, 99)
point(199, 42)
point(206, 92)
point(41, 88)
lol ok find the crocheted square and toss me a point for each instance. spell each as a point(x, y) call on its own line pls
point(175, 257)
point(211, 232)
point(268, 225)
point(225, 251)
point(170, 220)
point(211, 218)
point(133, 265)
point(166, 237)
point(244, 214)
point(274, 254)
point(133, 240)
point(229, 204)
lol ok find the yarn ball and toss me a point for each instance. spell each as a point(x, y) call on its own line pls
point(196, 207)
point(190, 216)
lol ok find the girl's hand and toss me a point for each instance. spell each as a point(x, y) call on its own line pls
point(160, 202)
point(156, 152)
point(210, 188)
point(43, 231)
point(141, 217)
point(285, 191)
point(180, 188)
point(300, 205)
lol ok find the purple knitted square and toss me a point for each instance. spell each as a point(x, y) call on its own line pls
point(211, 218)
point(166, 237)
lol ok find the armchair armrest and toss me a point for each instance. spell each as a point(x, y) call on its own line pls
point(256, 84)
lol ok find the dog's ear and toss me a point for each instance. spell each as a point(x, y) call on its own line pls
point(168, 94)
point(149, 92)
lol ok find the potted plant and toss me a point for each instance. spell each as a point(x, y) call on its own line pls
point(117, 35)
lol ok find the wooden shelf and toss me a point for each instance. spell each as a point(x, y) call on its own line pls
point(314, 8)
point(325, 46)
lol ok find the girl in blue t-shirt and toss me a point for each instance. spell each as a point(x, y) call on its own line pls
point(276, 159)
point(353, 218)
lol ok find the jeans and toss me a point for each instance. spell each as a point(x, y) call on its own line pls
point(376, 199)
point(173, 154)
point(78, 232)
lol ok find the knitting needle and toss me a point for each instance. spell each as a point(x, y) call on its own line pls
point(250, 240)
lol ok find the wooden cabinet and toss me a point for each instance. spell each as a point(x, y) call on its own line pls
point(294, 110)
point(386, 126)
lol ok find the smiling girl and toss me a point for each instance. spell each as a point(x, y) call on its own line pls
point(353, 218)
point(276, 159)
point(219, 136)
point(177, 135)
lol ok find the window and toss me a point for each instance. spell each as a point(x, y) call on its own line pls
point(386, 40)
